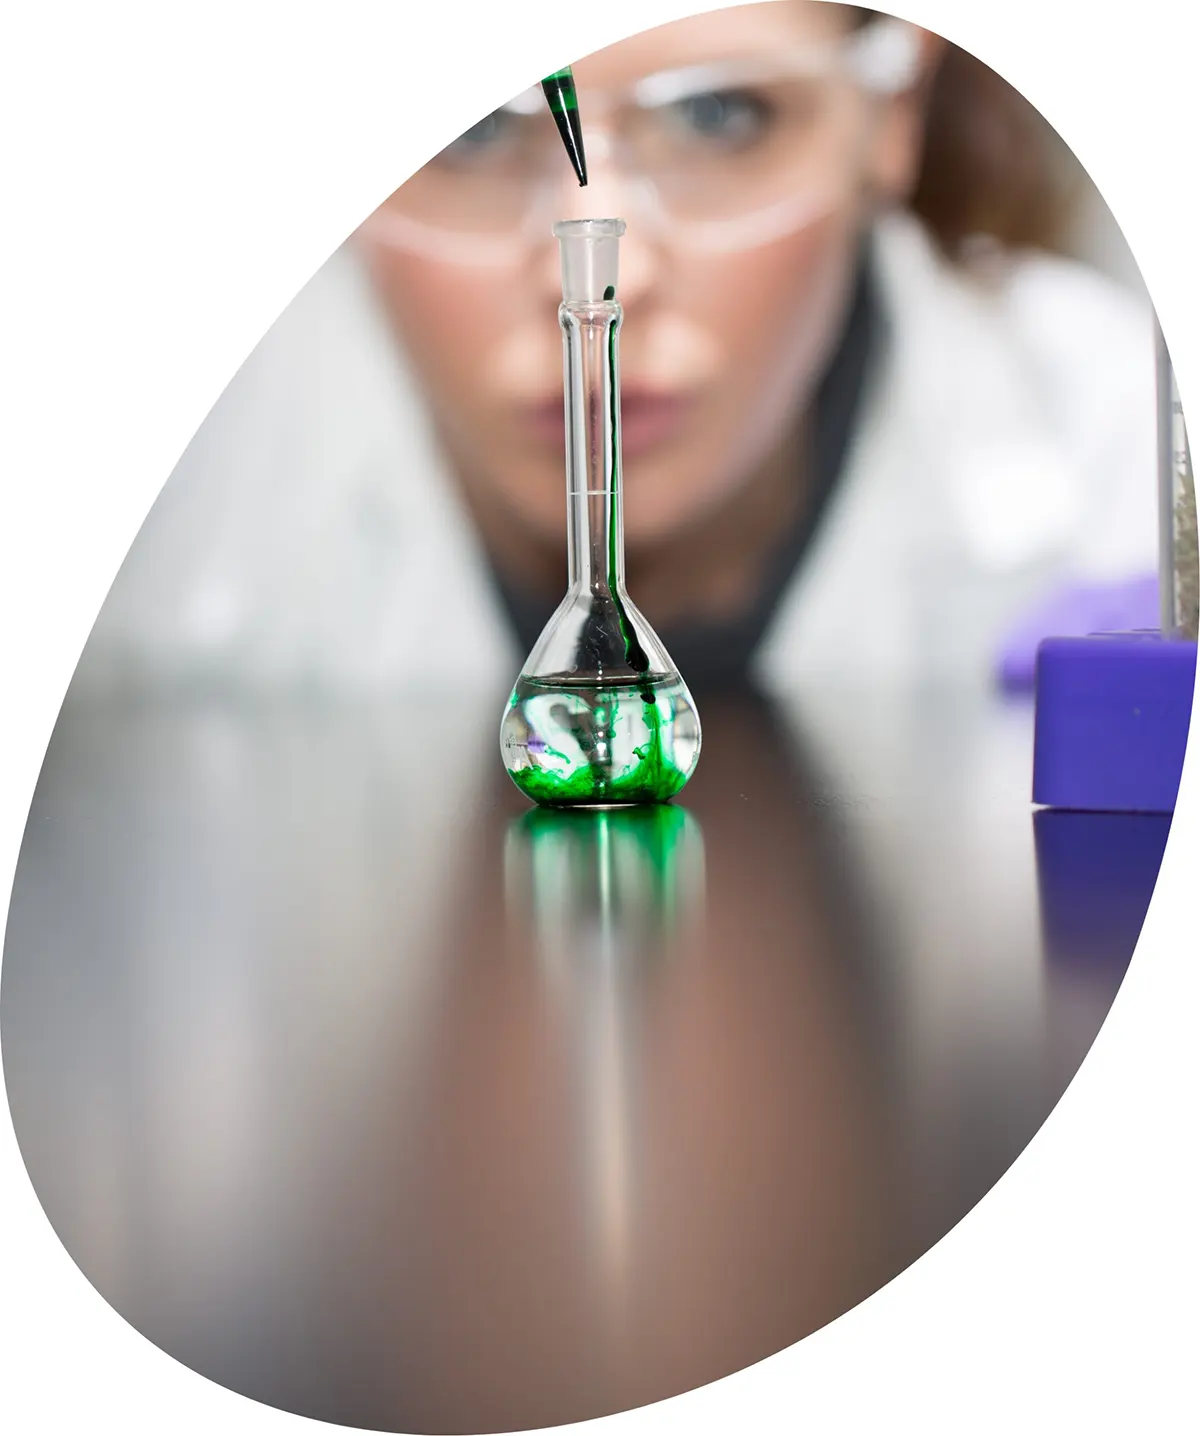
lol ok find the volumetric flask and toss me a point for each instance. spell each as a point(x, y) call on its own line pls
point(598, 715)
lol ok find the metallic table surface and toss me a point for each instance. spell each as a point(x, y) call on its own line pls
point(367, 1091)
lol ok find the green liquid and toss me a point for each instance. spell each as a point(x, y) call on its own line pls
point(578, 743)
point(560, 91)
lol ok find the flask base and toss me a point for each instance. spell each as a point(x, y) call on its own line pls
point(575, 742)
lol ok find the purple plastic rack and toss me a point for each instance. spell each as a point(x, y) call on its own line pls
point(1111, 721)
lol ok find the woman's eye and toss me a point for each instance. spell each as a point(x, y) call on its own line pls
point(486, 138)
point(730, 117)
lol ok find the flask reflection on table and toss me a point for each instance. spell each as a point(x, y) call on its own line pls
point(603, 893)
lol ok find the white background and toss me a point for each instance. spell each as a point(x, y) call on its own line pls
point(173, 173)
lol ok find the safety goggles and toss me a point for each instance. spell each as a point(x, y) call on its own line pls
point(712, 157)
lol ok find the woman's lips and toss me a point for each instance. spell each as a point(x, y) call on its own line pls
point(647, 419)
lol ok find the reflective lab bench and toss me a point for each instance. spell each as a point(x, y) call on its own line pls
point(366, 1090)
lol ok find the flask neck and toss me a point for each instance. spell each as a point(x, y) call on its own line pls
point(595, 532)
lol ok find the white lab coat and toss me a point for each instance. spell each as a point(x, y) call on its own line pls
point(310, 536)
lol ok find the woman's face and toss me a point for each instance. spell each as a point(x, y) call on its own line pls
point(719, 351)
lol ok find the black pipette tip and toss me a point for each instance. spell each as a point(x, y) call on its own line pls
point(559, 90)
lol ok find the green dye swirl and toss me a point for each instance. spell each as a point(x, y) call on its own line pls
point(611, 744)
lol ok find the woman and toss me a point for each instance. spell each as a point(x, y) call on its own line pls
point(867, 418)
